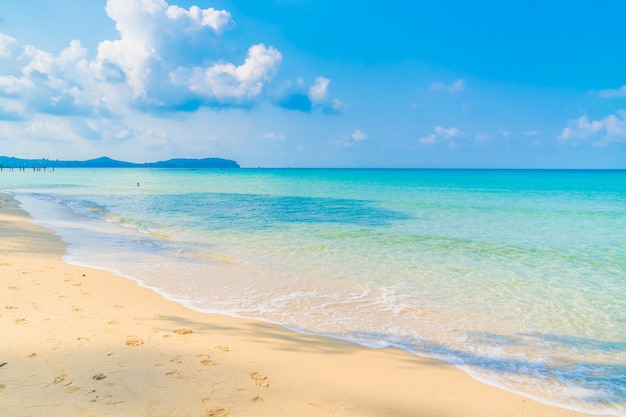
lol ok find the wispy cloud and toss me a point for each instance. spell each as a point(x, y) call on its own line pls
point(482, 137)
point(273, 136)
point(613, 92)
point(457, 86)
point(442, 134)
point(349, 140)
point(600, 132)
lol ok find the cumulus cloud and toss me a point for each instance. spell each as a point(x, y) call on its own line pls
point(166, 55)
point(319, 91)
point(8, 46)
point(163, 60)
point(166, 58)
point(442, 134)
point(53, 84)
point(296, 96)
point(455, 87)
point(600, 132)
point(613, 92)
point(216, 19)
point(229, 83)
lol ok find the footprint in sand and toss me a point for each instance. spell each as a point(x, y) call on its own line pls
point(20, 321)
point(260, 379)
point(10, 307)
point(218, 412)
point(204, 360)
point(133, 341)
point(182, 330)
point(222, 348)
point(175, 374)
point(62, 379)
point(98, 377)
point(72, 390)
point(82, 339)
point(32, 355)
point(76, 309)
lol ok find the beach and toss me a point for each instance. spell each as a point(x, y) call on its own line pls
point(81, 341)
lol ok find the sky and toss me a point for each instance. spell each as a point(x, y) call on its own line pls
point(317, 83)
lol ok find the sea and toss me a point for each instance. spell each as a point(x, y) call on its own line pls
point(517, 277)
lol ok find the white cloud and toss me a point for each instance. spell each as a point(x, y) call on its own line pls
point(14, 86)
point(601, 132)
point(8, 46)
point(447, 133)
point(611, 93)
point(295, 96)
point(349, 140)
point(230, 83)
point(319, 90)
point(457, 86)
point(318, 94)
point(217, 19)
point(358, 135)
point(442, 134)
point(168, 56)
point(273, 136)
point(163, 59)
point(53, 84)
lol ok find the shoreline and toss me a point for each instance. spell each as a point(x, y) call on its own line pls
point(83, 341)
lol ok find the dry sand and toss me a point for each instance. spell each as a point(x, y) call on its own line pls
point(77, 341)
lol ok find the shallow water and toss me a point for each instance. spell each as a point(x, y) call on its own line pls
point(517, 277)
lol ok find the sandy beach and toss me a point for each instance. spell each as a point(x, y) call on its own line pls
point(83, 342)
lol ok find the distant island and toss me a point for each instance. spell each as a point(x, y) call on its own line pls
point(105, 162)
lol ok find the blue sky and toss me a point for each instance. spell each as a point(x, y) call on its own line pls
point(316, 83)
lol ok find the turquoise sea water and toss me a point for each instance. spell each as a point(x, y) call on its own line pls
point(517, 277)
